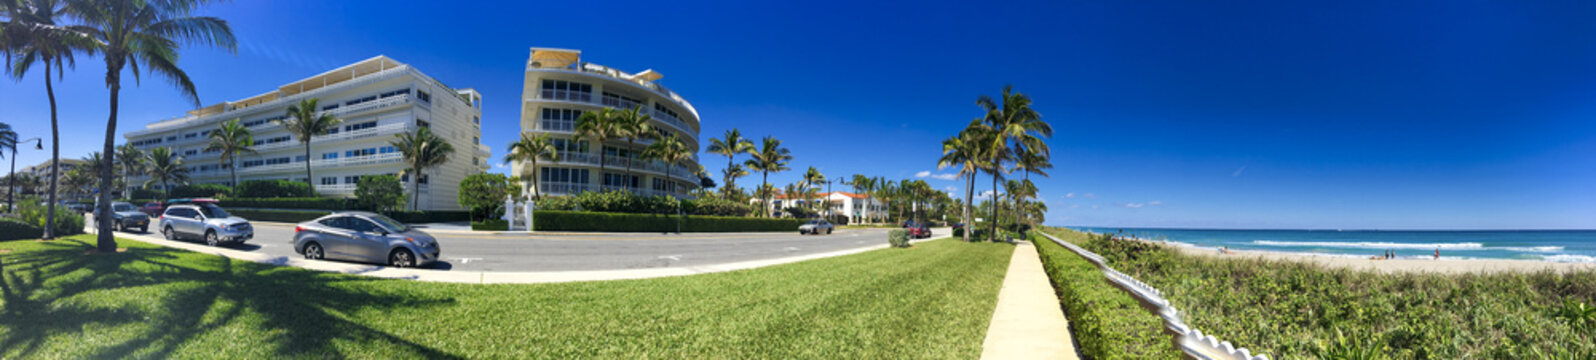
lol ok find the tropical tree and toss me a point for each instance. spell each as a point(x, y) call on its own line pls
point(33, 31)
point(864, 185)
point(8, 141)
point(233, 139)
point(812, 178)
point(305, 121)
point(967, 151)
point(1012, 121)
point(131, 160)
point(532, 148)
point(145, 35)
point(77, 181)
point(731, 173)
point(769, 158)
point(670, 149)
point(633, 124)
point(421, 150)
point(165, 168)
point(887, 191)
point(94, 163)
point(730, 145)
point(599, 126)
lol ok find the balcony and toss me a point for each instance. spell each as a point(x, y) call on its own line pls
point(662, 117)
point(556, 188)
point(342, 135)
point(235, 112)
point(322, 163)
point(619, 163)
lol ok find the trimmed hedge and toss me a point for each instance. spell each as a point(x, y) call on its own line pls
point(429, 216)
point(1108, 323)
point(491, 225)
point(201, 191)
point(272, 189)
point(13, 229)
point(307, 203)
point(557, 220)
point(292, 216)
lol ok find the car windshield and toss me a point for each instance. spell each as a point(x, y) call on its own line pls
point(214, 212)
point(121, 207)
point(814, 222)
point(393, 226)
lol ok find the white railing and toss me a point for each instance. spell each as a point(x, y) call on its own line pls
point(341, 135)
point(484, 149)
point(619, 163)
point(321, 163)
point(1192, 341)
point(184, 121)
point(372, 105)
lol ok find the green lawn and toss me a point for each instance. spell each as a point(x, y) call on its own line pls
point(931, 301)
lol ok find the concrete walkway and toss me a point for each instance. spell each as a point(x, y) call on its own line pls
point(486, 277)
point(1028, 322)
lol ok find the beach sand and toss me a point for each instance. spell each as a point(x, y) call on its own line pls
point(1444, 265)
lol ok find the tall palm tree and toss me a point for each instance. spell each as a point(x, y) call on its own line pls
point(33, 31)
point(77, 181)
point(94, 163)
point(1013, 121)
point(812, 178)
point(731, 173)
point(731, 144)
point(1029, 160)
point(670, 149)
point(966, 151)
point(864, 185)
point(632, 125)
point(145, 35)
point(533, 148)
point(233, 139)
point(131, 160)
point(599, 126)
point(304, 122)
point(165, 167)
point(887, 191)
point(793, 192)
point(769, 158)
point(421, 150)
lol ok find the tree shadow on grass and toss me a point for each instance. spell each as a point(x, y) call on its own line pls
point(302, 312)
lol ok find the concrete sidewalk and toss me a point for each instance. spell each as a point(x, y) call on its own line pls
point(486, 277)
point(1028, 322)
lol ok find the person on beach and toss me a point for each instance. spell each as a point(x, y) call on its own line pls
point(1438, 253)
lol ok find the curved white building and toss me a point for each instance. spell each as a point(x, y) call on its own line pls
point(560, 87)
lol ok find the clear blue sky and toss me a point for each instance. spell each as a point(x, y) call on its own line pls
point(1240, 114)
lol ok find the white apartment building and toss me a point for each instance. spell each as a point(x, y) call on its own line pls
point(42, 170)
point(560, 86)
point(376, 98)
point(857, 207)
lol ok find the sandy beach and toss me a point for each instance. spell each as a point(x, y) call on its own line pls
point(1444, 265)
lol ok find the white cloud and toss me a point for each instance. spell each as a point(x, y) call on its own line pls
point(1075, 206)
point(1090, 195)
point(501, 165)
point(1135, 205)
point(922, 174)
point(951, 189)
point(1069, 195)
point(1094, 206)
point(1155, 203)
point(1239, 171)
point(925, 174)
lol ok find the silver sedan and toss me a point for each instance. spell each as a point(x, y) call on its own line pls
point(365, 237)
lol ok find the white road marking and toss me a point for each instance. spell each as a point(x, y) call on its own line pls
point(789, 248)
point(467, 260)
point(671, 257)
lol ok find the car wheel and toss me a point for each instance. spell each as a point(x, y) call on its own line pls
point(144, 229)
point(313, 251)
point(170, 235)
point(211, 238)
point(828, 231)
point(401, 258)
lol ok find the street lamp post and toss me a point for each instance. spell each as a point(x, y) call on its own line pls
point(11, 189)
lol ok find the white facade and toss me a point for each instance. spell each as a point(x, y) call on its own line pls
point(376, 99)
point(559, 87)
point(42, 170)
point(857, 207)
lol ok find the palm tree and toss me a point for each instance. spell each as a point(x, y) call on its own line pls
point(304, 122)
point(145, 35)
point(812, 177)
point(966, 151)
point(421, 150)
point(670, 149)
point(33, 33)
point(887, 191)
point(533, 148)
point(77, 181)
point(769, 158)
point(731, 144)
point(8, 141)
point(793, 192)
point(165, 167)
point(1013, 121)
point(632, 124)
point(867, 186)
point(95, 163)
point(600, 127)
point(131, 160)
point(1028, 160)
point(233, 139)
point(731, 173)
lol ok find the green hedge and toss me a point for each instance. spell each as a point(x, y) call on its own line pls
point(556, 220)
point(619, 201)
point(308, 203)
point(67, 222)
point(1108, 323)
point(201, 191)
point(278, 215)
point(272, 189)
point(13, 229)
point(418, 217)
point(491, 225)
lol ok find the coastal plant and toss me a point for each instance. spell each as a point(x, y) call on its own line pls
point(379, 193)
point(1578, 314)
point(1107, 323)
point(898, 238)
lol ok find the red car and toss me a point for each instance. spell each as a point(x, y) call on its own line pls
point(919, 231)
point(153, 209)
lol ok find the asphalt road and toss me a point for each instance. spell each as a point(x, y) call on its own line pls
point(518, 252)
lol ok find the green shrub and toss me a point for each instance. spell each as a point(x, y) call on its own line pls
point(799, 212)
point(566, 203)
point(898, 238)
point(484, 194)
point(379, 193)
point(556, 220)
point(287, 203)
point(200, 191)
point(67, 222)
point(292, 216)
point(959, 233)
point(429, 216)
point(716, 207)
point(13, 229)
point(1108, 323)
point(490, 225)
point(271, 189)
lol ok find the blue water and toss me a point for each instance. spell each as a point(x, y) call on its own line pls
point(1549, 245)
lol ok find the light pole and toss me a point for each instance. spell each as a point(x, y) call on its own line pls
point(11, 189)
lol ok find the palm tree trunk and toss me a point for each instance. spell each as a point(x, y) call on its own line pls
point(232, 167)
point(764, 181)
point(415, 191)
point(307, 166)
point(105, 241)
point(536, 194)
point(969, 198)
point(11, 189)
point(994, 206)
point(55, 153)
point(629, 163)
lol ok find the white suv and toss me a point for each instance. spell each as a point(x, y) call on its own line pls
point(206, 221)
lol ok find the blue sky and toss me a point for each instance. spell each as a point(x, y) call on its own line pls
point(1239, 114)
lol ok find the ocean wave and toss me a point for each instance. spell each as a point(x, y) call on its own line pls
point(1570, 258)
point(1420, 246)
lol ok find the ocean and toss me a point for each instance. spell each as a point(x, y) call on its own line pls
point(1548, 245)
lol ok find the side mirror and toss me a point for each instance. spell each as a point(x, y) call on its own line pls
point(199, 217)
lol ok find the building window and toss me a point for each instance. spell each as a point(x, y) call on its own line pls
point(360, 100)
point(477, 120)
point(423, 123)
point(423, 96)
point(560, 119)
point(663, 110)
point(567, 90)
point(664, 185)
point(563, 146)
point(476, 140)
point(421, 179)
point(387, 150)
point(563, 175)
point(329, 107)
point(352, 179)
point(329, 180)
point(329, 156)
point(299, 158)
point(190, 135)
point(360, 126)
point(190, 152)
point(620, 180)
point(404, 91)
point(620, 101)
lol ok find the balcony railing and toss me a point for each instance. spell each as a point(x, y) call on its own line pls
point(553, 188)
point(321, 163)
point(616, 162)
point(184, 121)
point(655, 114)
point(342, 135)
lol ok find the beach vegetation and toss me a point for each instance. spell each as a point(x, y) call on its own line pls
point(1107, 323)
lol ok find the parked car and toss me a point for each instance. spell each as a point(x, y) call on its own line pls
point(365, 237)
point(205, 221)
point(921, 231)
point(815, 227)
point(152, 208)
point(80, 207)
point(907, 224)
point(124, 216)
point(194, 201)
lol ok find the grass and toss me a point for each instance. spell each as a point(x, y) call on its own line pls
point(1107, 322)
point(931, 301)
point(1293, 310)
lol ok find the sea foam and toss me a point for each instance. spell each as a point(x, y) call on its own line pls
point(1421, 246)
point(1570, 258)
